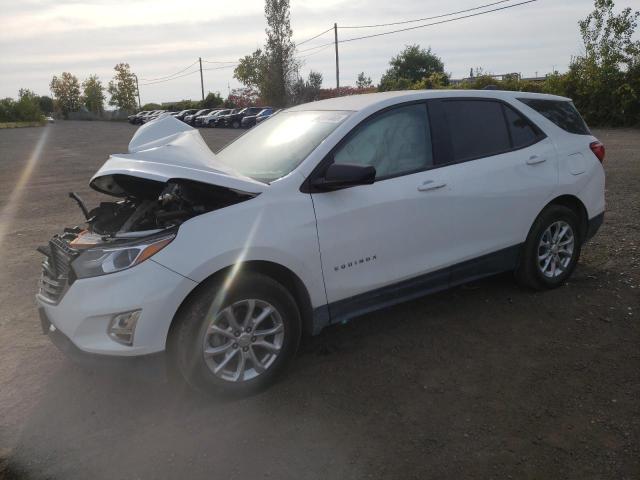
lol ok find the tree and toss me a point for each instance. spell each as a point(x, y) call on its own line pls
point(309, 90)
point(363, 81)
point(251, 69)
point(212, 100)
point(46, 104)
point(242, 97)
point(410, 66)
point(66, 91)
point(27, 108)
point(155, 106)
point(123, 89)
point(93, 96)
point(605, 82)
point(272, 70)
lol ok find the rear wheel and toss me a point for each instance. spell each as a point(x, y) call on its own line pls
point(235, 124)
point(238, 344)
point(552, 249)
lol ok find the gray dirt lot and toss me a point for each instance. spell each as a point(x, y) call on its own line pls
point(483, 381)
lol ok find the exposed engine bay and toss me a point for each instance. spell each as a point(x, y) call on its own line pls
point(169, 176)
point(148, 208)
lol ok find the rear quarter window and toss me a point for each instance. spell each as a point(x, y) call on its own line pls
point(561, 112)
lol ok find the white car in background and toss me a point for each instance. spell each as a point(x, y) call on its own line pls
point(220, 263)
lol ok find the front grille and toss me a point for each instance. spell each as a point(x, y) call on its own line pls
point(56, 268)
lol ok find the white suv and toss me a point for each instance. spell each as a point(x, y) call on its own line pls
point(327, 211)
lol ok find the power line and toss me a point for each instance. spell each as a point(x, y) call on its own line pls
point(320, 50)
point(211, 61)
point(420, 26)
point(168, 76)
point(316, 36)
point(219, 68)
point(172, 78)
point(429, 18)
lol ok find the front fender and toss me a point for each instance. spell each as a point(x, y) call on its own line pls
point(253, 230)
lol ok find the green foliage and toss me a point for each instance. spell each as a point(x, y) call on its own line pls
point(46, 104)
point(154, 106)
point(7, 106)
point(363, 81)
point(175, 107)
point(409, 67)
point(212, 100)
point(273, 69)
point(123, 89)
point(242, 97)
point(25, 109)
point(93, 95)
point(66, 91)
point(435, 80)
point(309, 90)
point(604, 83)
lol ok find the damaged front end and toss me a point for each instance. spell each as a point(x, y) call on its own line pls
point(121, 234)
point(157, 194)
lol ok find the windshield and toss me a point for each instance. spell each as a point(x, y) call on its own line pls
point(273, 149)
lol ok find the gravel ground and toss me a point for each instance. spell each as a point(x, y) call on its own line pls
point(482, 381)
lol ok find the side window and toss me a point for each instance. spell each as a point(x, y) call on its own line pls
point(476, 128)
point(395, 142)
point(561, 112)
point(523, 133)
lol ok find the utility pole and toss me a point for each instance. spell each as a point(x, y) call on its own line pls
point(138, 91)
point(201, 81)
point(335, 32)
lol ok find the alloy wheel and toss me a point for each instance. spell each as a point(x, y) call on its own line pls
point(243, 340)
point(556, 249)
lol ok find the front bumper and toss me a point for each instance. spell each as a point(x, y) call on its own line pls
point(152, 367)
point(83, 314)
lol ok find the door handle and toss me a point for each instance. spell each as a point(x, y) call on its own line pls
point(430, 185)
point(535, 159)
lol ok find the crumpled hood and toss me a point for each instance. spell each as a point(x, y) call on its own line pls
point(166, 149)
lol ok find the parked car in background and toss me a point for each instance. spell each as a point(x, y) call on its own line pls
point(250, 120)
point(262, 118)
point(49, 119)
point(136, 118)
point(234, 120)
point(210, 120)
point(184, 113)
point(191, 119)
point(388, 197)
point(152, 116)
point(219, 121)
point(200, 119)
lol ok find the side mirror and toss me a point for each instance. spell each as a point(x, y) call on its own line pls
point(344, 175)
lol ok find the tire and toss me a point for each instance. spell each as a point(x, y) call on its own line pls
point(546, 262)
point(235, 124)
point(194, 336)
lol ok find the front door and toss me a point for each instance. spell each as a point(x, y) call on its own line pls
point(374, 236)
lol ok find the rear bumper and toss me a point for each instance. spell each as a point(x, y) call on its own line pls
point(152, 367)
point(594, 225)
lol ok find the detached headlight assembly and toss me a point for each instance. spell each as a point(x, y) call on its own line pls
point(109, 259)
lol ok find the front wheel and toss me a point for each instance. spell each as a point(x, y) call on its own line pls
point(235, 124)
point(237, 343)
point(552, 249)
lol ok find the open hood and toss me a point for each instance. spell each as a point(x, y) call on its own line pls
point(166, 149)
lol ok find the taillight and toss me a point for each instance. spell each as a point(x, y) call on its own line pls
point(598, 150)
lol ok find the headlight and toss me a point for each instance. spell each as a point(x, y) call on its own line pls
point(109, 259)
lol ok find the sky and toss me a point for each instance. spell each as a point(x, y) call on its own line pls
point(42, 38)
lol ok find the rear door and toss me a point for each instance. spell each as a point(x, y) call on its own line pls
point(501, 170)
